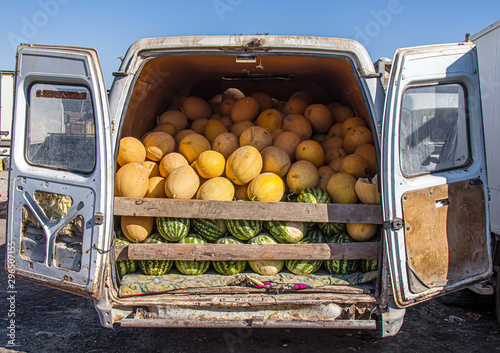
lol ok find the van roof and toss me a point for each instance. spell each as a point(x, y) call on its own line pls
point(252, 43)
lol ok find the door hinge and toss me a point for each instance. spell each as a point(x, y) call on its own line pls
point(394, 224)
point(98, 218)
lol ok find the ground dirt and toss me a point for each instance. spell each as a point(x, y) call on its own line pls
point(48, 320)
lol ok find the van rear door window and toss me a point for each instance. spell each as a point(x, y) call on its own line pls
point(61, 127)
point(433, 131)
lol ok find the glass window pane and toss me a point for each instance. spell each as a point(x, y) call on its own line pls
point(61, 127)
point(433, 130)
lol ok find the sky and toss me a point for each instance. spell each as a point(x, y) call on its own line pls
point(382, 26)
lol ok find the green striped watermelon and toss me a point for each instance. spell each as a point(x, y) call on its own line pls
point(210, 229)
point(341, 267)
point(286, 232)
point(228, 268)
point(192, 267)
point(172, 229)
point(155, 267)
point(265, 267)
point(314, 195)
point(330, 229)
point(305, 267)
point(127, 266)
point(243, 230)
point(370, 265)
point(314, 235)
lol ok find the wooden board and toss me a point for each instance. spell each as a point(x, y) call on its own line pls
point(226, 252)
point(265, 211)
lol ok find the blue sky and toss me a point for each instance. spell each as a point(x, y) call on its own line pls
point(112, 26)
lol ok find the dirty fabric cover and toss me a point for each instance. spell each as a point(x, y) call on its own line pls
point(140, 284)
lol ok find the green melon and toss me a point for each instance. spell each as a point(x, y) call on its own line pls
point(370, 265)
point(172, 229)
point(242, 229)
point(192, 267)
point(313, 195)
point(330, 229)
point(304, 267)
point(228, 268)
point(155, 267)
point(286, 232)
point(265, 267)
point(127, 266)
point(210, 229)
point(315, 235)
point(341, 267)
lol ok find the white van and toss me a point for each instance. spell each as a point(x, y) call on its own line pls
point(434, 215)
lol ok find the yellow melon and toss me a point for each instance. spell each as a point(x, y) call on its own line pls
point(319, 138)
point(243, 165)
point(226, 143)
point(192, 145)
point(341, 112)
point(196, 108)
point(336, 164)
point(179, 119)
point(131, 180)
point(170, 162)
point(276, 133)
point(336, 130)
point(136, 228)
point(181, 134)
point(367, 192)
point(232, 92)
point(298, 124)
point(210, 164)
point(275, 160)
point(256, 136)
point(333, 142)
point(367, 151)
point(270, 119)
point(334, 153)
point(361, 231)
point(213, 128)
point(156, 187)
point(355, 165)
point(325, 173)
point(169, 128)
point(288, 142)
point(340, 187)
point(131, 150)
point(351, 123)
point(298, 103)
point(302, 175)
point(265, 101)
point(356, 137)
point(332, 105)
point(227, 105)
point(182, 183)
point(219, 189)
point(227, 122)
point(152, 168)
point(246, 108)
point(240, 192)
point(199, 126)
point(266, 187)
point(320, 118)
point(158, 144)
point(238, 128)
point(310, 150)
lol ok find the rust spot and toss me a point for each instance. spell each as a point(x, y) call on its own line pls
point(67, 278)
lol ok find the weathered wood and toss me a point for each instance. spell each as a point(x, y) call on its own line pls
point(121, 252)
point(359, 289)
point(266, 211)
point(226, 252)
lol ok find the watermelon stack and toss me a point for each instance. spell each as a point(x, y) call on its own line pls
point(192, 267)
point(242, 229)
point(332, 229)
point(370, 265)
point(286, 232)
point(155, 267)
point(210, 229)
point(265, 267)
point(172, 229)
point(127, 266)
point(228, 268)
point(341, 267)
point(313, 195)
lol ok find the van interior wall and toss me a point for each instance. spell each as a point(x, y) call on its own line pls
point(164, 81)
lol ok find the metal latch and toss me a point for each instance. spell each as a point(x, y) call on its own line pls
point(98, 218)
point(395, 224)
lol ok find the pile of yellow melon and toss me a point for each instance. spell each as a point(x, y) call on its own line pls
point(251, 148)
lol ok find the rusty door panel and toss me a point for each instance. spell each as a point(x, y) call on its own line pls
point(445, 229)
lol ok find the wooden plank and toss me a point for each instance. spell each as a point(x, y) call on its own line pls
point(227, 252)
point(265, 211)
point(121, 252)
